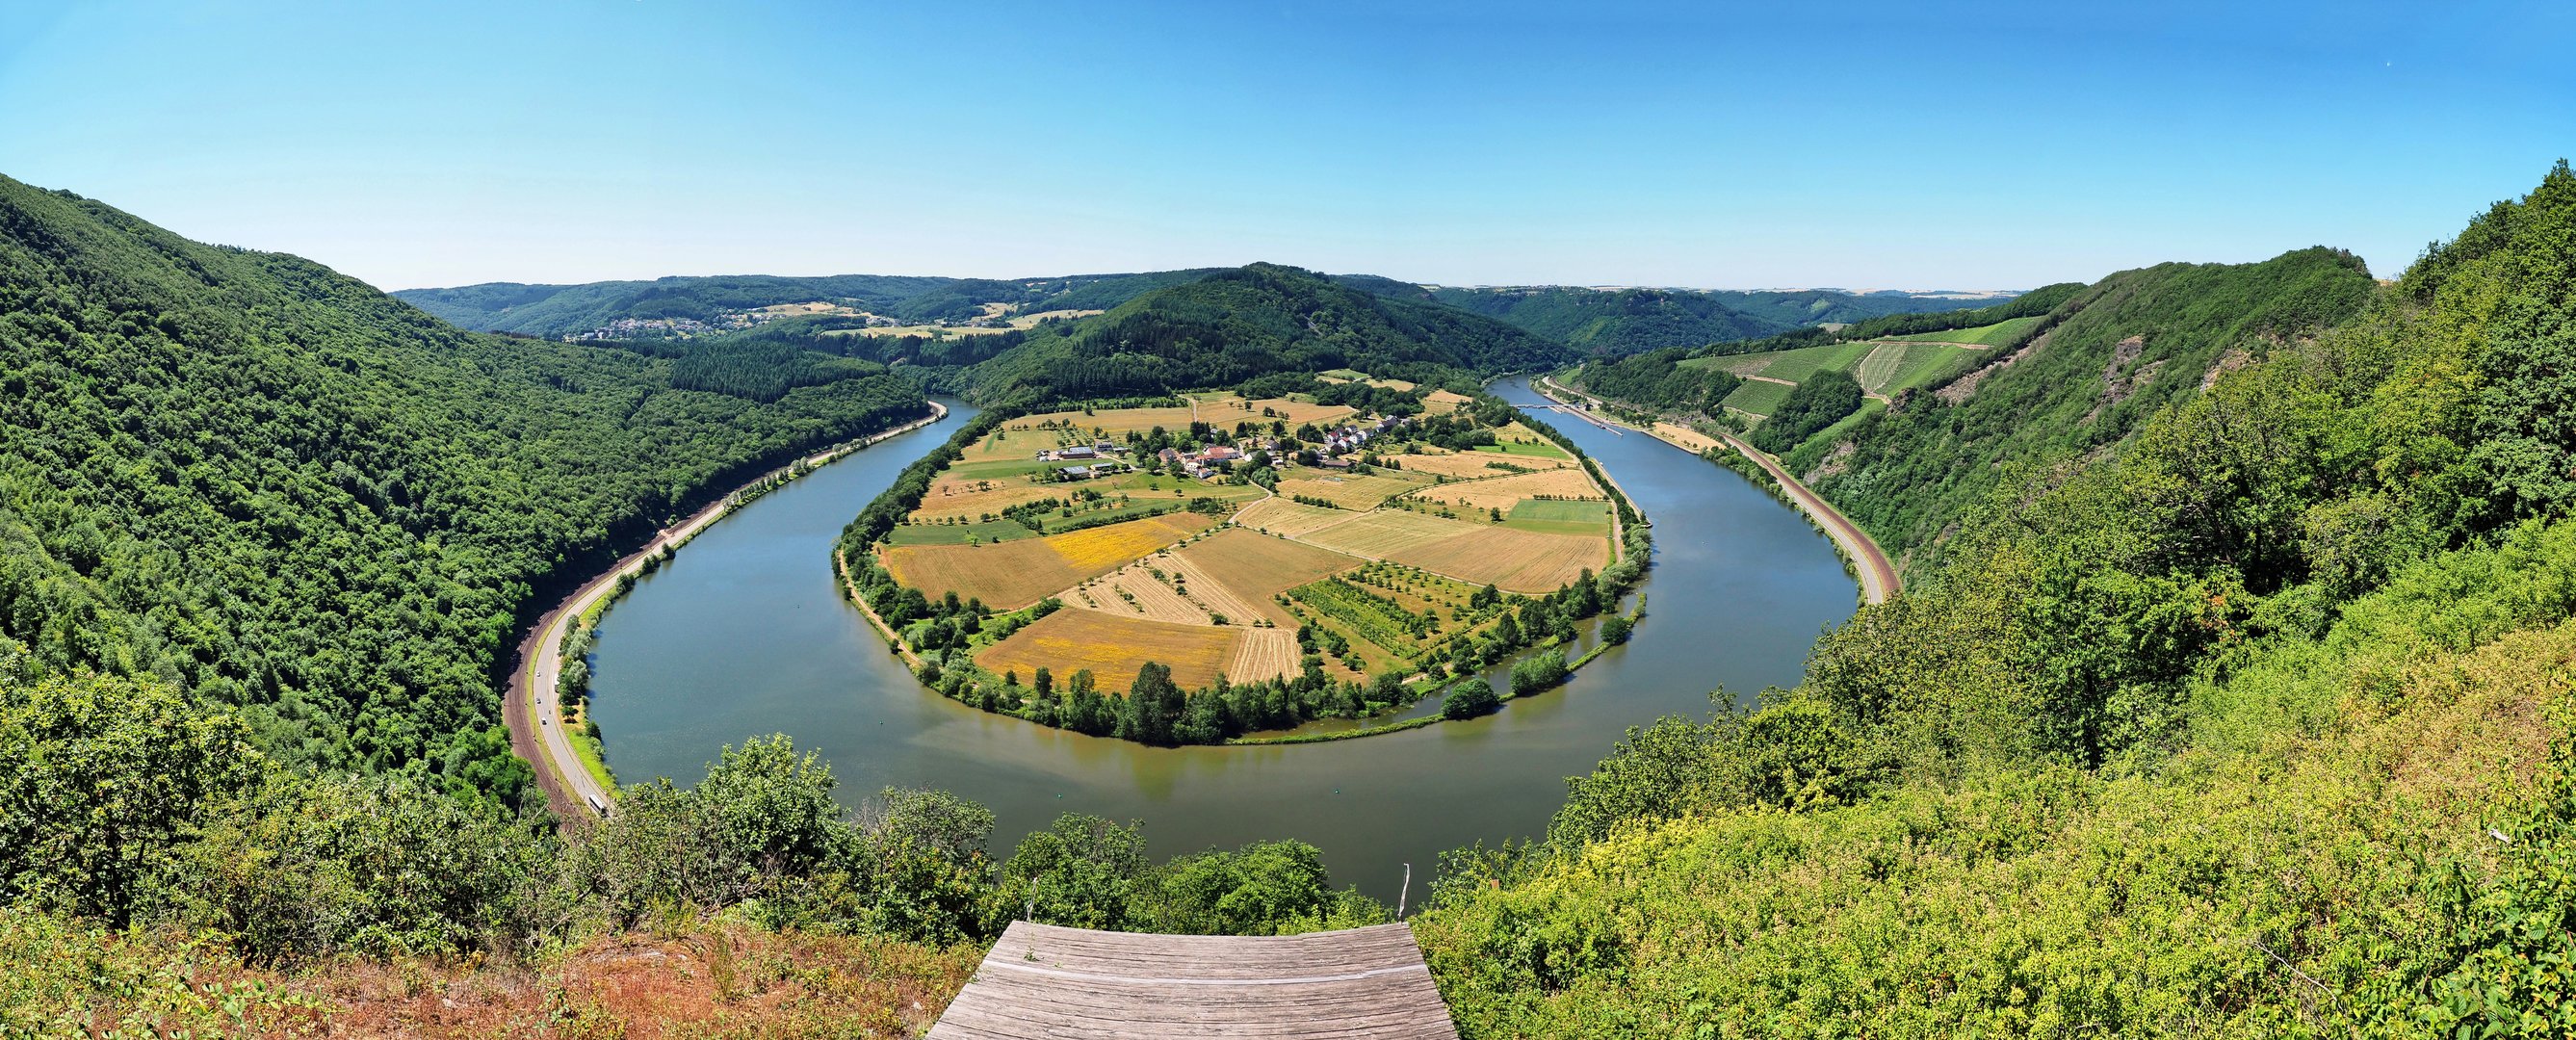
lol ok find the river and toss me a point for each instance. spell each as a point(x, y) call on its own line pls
point(742, 635)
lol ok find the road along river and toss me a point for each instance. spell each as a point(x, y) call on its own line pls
point(742, 635)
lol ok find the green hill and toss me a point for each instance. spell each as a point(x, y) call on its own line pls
point(1615, 322)
point(2245, 712)
point(283, 491)
point(1239, 323)
point(554, 311)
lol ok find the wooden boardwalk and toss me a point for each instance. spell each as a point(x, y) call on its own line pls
point(1045, 981)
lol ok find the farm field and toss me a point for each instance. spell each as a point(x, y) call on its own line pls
point(1442, 401)
point(1288, 519)
point(1384, 533)
point(1509, 559)
point(1471, 465)
point(1112, 648)
point(1507, 492)
point(1885, 367)
point(1013, 574)
point(1227, 573)
point(1348, 492)
point(1251, 568)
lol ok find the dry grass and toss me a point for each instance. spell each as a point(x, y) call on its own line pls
point(1247, 568)
point(1392, 384)
point(1263, 653)
point(1282, 517)
point(1441, 401)
point(1113, 648)
point(1520, 561)
point(1505, 492)
point(1381, 534)
point(1145, 595)
point(1685, 436)
point(1113, 422)
point(1356, 493)
point(1470, 465)
point(1010, 575)
point(976, 497)
point(1300, 411)
point(687, 979)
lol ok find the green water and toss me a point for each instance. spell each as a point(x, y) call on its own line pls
point(742, 635)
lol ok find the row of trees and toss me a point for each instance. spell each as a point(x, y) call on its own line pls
point(200, 830)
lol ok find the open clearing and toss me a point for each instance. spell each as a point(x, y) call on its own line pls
point(1440, 402)
point(1113, 648)
point(1514, 560)
point(1010, 575)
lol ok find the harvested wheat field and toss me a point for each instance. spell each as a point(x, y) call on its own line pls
point(1440, 401)
point(1282, 517)
point(1263, 653)
point(1134, 591)
point(1296, 412)
point(1517, 561)
point(1113, 647)
point(1116, 423)
point(1505, 492)
point(1685, 436)
point(1247, 568)
point(1011, 575)
point(1359, 493)
point(1379, 535)
point(976, 497)
point(1471, 465)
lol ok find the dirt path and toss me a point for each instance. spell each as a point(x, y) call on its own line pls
point(1757, 379)
point(529, 706)
point(1877, 576)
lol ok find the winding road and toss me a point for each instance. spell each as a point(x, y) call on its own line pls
point(1877, 575)
point(534, 715)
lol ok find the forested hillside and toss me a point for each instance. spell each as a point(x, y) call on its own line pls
point(1239, 323)
point(2079, 380)
point(552, 311)
point(1614, 322)
point(2257, 722)
point(282, 491)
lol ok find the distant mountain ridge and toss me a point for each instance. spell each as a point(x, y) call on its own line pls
point(1597, 321)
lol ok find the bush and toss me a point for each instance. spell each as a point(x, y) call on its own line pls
point(1538, 673)
point(1469, 699)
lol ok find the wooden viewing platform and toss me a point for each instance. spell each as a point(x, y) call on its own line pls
point(1045, 981)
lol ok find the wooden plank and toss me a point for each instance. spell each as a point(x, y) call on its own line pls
point(1045, 981)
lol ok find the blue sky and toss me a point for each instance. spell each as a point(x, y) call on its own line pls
point(1869, 145)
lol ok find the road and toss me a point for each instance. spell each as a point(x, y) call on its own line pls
point(1877, 575)
point(530, 706)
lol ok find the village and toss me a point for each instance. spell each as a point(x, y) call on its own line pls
point(1325, 448)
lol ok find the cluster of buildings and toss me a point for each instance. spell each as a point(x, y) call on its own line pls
point(1102, 458)
point(1093, 460)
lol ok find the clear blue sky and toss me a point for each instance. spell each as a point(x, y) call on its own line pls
point(1875, 145)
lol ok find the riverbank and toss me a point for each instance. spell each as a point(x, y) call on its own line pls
point(531, 707)
point(1869, 563)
